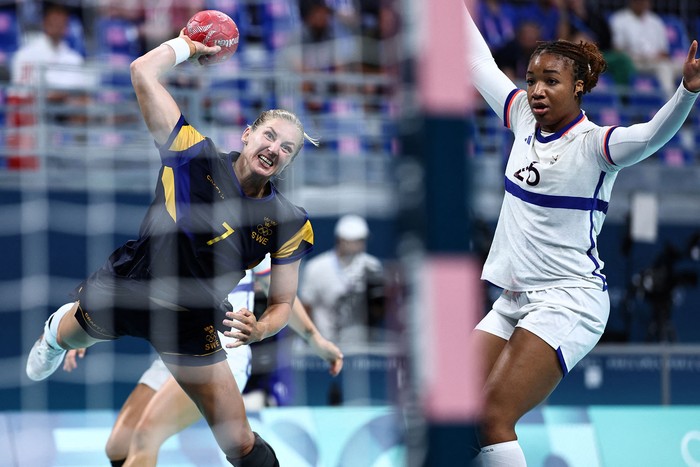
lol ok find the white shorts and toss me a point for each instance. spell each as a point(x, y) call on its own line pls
point(571, 320)
point(239, 360)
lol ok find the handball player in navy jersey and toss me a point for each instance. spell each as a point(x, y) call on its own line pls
point(214, 215)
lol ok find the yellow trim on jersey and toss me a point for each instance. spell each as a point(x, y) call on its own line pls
point(305, 233)
point(168, 181)
point(186, 138)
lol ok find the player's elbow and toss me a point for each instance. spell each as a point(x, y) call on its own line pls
point(137, 71)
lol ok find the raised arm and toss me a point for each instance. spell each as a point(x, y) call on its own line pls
point(488, 79)
point(631, 144)
point(159, 109)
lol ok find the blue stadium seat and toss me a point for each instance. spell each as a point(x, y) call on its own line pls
point(279, 17)
point(9, 35)
point(674, 154)
point(645, 98)
point(602, 105)
point(546, 17)
point(238, 101)
point(677, 34)
point(75, 36)
point(238, 13)
point(118, 36)
point(498, 29)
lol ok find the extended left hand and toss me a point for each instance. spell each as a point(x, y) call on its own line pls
point(691, 69)
point(328, 351)
point(244, 327)
point(70, 362)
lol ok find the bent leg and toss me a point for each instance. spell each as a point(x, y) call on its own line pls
point(117, 448)
point(214, 391)
point(524, 374)
point(61, 332)
point(168, 412)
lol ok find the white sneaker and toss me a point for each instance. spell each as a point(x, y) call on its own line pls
point(43, 360)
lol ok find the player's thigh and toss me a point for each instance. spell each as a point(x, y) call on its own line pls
point(489, 348)
point(169, 411)
point(127, 419)
point(524, 374)
point(213, 389)
point(135, 405)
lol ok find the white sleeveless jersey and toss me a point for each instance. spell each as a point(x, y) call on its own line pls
point(557, 189)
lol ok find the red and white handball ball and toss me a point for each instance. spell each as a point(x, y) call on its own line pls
point(211, 28)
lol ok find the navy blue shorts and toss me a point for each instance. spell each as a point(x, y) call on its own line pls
point(111, 307)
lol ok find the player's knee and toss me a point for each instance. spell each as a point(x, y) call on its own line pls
point(117, 447)
point(239, 446)
point(146, 437)
point(255, 453)
point(496, 424)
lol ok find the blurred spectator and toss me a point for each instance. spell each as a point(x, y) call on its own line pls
point(343, 288)
point(346, 17)
point(497, 23)
point(546, 14)
point(641, 34)
point(48, 60)
point(317, 36)
point(380, 26)
point(580, 21)
point(578, 17)
point(317, 50)
point(380, 55)
point(514, 56)
point(48, 49)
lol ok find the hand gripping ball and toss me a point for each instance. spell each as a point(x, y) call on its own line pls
point(212, 27)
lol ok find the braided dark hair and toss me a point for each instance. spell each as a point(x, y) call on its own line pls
point(588, 61)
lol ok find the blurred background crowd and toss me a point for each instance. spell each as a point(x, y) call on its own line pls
point(77, 166)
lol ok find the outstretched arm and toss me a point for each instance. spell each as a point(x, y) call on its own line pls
point(637, 142)
point(301, 323)
point(488, 79)
point(159, 109)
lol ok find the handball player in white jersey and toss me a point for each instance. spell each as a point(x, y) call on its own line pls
point(558, 181)
point(158, 408)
